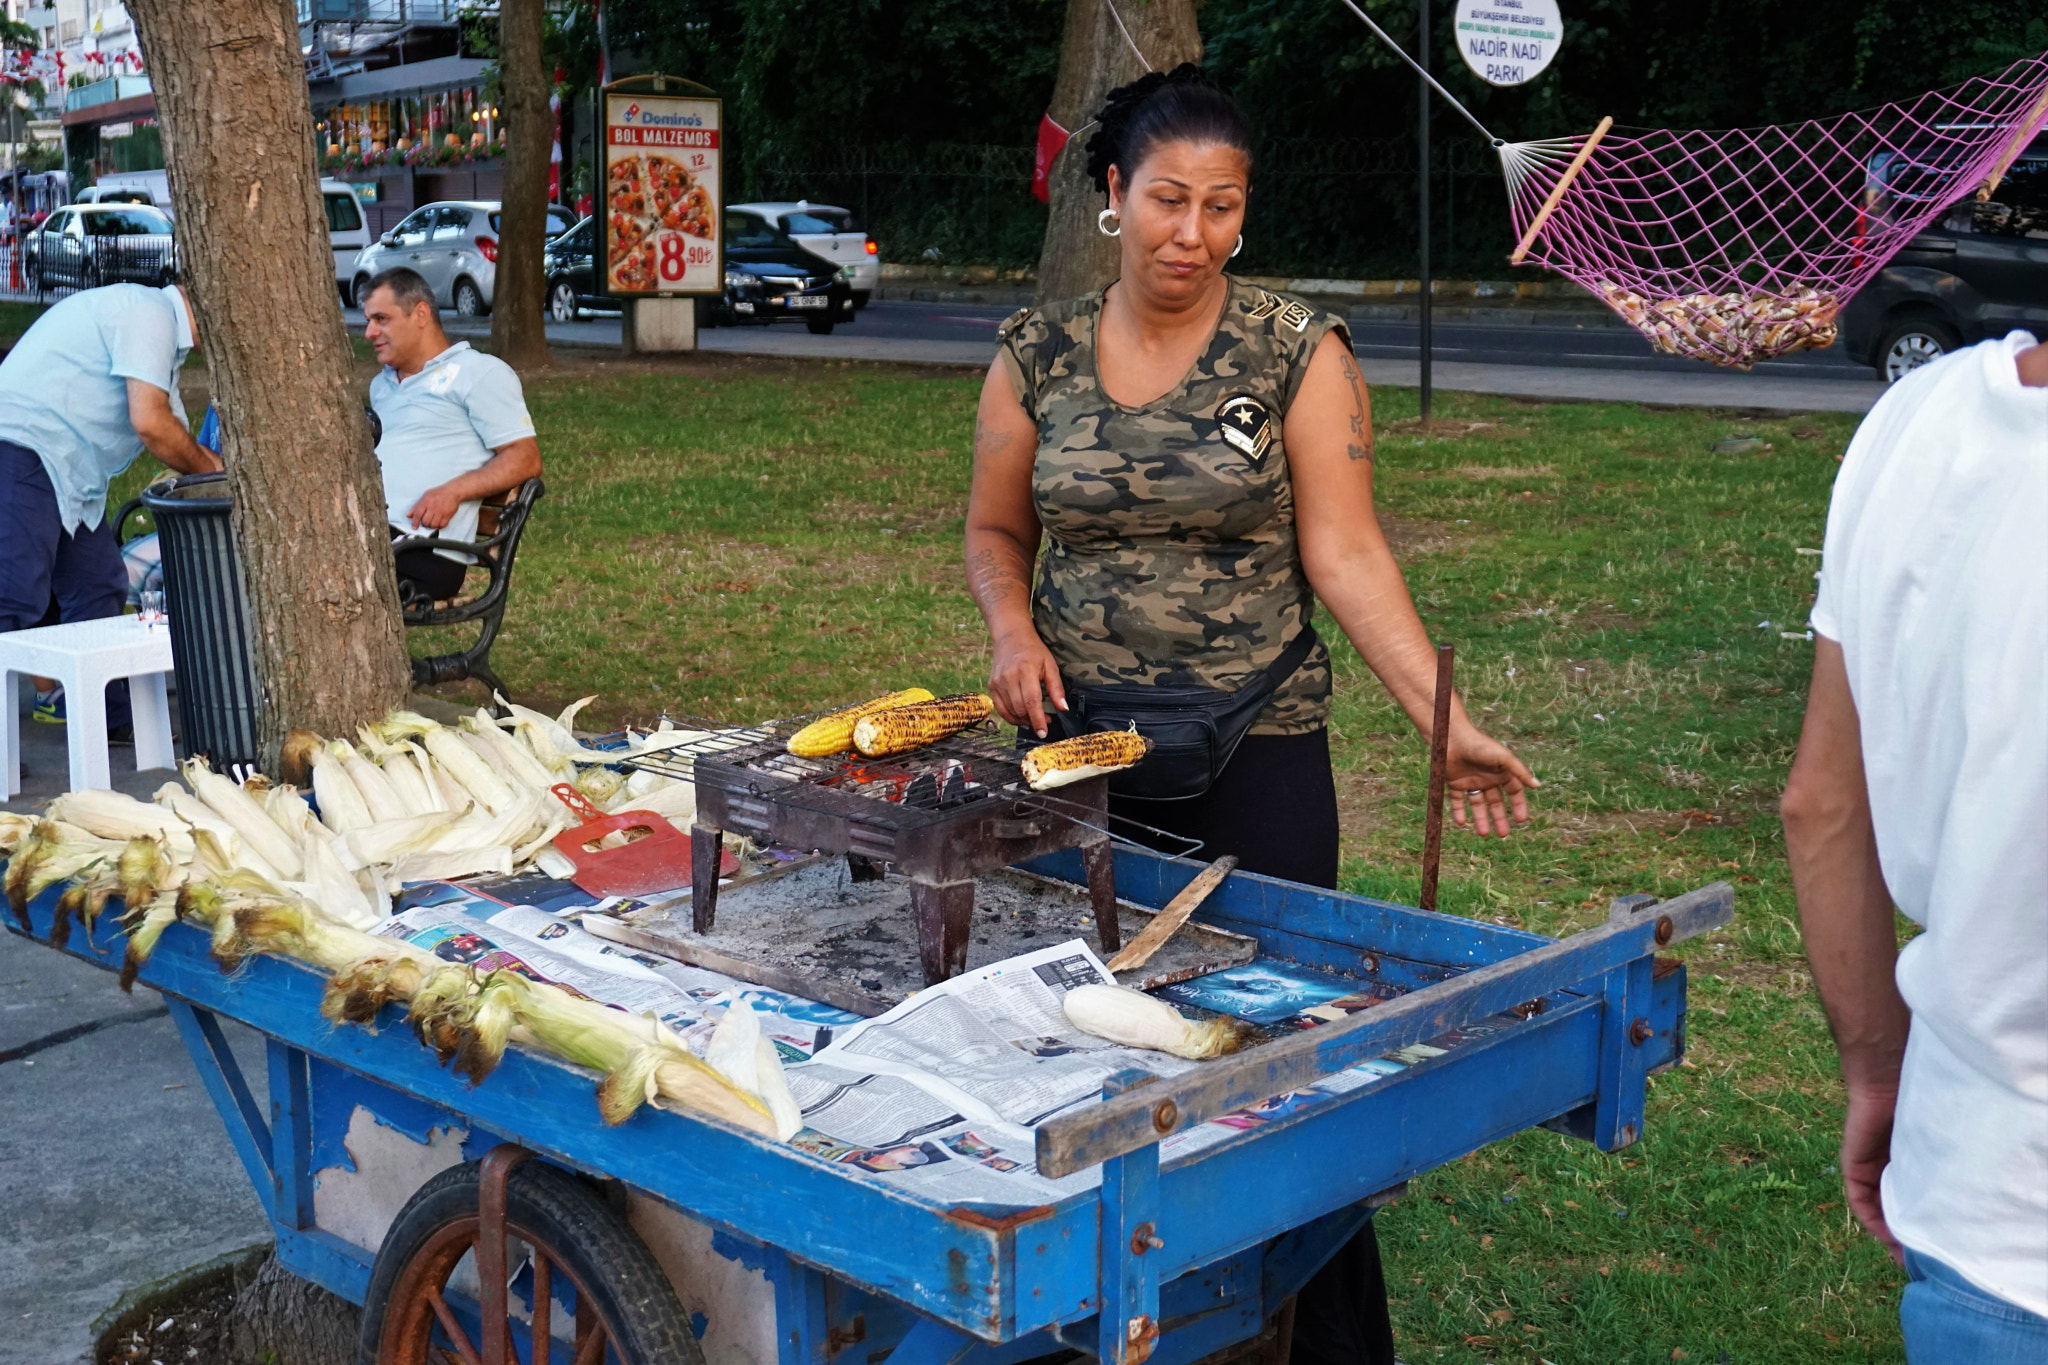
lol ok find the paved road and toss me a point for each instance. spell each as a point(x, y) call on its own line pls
point(114, 1169)
point(1593, 361)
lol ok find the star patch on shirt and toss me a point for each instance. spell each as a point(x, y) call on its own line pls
point(1247, 425)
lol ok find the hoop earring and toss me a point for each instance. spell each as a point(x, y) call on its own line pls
point(1240, 245)
point(1102, 223)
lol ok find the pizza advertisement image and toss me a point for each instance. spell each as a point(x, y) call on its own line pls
point(661, 215)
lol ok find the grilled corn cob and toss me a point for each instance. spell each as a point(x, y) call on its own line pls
point(902, 728)
point(1083, 756)
point(833, 733)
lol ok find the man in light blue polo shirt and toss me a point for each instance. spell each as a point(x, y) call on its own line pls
point(92, 384)
point(454, 429)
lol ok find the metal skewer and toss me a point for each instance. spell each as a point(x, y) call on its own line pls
point(1439, 747)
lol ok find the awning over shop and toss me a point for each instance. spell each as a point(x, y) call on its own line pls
point(112, 111)
point(413, 79)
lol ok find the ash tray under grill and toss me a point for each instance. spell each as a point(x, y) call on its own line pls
point(813, 930)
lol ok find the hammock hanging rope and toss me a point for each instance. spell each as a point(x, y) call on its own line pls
point(1738, 246)
point(1741, 245)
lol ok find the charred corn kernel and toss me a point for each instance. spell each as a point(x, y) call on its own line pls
point(833, 733)
point(902, 728)
point(1083, 756)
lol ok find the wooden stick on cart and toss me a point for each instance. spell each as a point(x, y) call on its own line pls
point(1163, 925)
point(1439, 760)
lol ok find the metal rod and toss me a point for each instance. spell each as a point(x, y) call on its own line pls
point(1425, 339)
point(1439, 749)
point(1399, 52)
point(1571, 173)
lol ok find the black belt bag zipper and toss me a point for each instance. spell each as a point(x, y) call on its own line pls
point(1194, 730)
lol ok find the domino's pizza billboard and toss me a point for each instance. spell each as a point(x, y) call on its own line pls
point(663, 227)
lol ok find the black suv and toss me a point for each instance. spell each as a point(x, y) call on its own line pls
point(1980, 272)
point(769, 277)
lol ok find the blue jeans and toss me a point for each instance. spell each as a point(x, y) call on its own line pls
point(40, 560)
point(1949, 1321)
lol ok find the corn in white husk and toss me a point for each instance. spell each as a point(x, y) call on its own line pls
point(252, 868)
point(1734, 329)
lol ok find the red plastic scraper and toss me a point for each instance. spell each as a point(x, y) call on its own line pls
point(655, 856)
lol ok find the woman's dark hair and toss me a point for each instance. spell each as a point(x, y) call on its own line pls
point(1179, 105)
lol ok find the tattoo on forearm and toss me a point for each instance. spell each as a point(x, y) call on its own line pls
point(990, 579)
point(1359, 452)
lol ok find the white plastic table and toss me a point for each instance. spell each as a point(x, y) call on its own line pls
point(85, 656)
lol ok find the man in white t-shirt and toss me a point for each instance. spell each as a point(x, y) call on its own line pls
point(1922, 783)
point(453, 429)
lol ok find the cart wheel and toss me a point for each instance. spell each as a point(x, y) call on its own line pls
point(595, 1290)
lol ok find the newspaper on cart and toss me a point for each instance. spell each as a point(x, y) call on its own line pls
point(941, 1095)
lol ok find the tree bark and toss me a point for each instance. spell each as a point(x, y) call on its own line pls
point(327, 636)
point(1095, 59)
point(281, 1317)
point(518, 326)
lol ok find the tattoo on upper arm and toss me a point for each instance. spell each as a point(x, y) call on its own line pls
point(991, 440)
point(1359, 448)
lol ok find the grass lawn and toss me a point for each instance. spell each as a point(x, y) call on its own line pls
point(748, 538)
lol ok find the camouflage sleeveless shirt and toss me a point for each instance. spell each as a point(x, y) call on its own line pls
point(1171, 554)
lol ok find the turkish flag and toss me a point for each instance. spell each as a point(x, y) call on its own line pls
point(1051, 139)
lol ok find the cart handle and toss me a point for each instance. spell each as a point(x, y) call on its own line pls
point(1147, 1114)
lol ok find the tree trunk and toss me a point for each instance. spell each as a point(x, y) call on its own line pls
point(308, 500)
point(518, 326)
point(281, 1317)
point(1095, 59)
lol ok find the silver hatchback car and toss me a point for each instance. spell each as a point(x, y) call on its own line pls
point(454, 246)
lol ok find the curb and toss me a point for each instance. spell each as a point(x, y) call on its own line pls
point(145, 1301)
point(1446, 308)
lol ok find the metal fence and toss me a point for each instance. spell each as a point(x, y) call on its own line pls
point(1338, 207)
point(41, 271)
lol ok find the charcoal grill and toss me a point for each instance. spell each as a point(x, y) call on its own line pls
point(941, 815)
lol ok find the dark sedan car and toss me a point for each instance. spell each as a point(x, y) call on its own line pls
point(1981, 271)
point(769, 277)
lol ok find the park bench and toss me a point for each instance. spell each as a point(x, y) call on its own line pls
point(501, 522)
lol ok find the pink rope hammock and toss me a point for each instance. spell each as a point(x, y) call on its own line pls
point(1741, 245)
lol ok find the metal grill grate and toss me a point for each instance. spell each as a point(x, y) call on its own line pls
point(954, 779)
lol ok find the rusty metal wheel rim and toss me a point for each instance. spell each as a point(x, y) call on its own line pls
point(418, 1304)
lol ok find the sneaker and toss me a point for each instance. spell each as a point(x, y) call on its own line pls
point(49, 706)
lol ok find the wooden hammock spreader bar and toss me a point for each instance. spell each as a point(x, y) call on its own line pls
point(2012, 151)
point(1571, 173)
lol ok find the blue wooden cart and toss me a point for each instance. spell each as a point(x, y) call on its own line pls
point(1162, 1263)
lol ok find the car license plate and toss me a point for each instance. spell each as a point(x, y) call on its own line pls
point(808, 300)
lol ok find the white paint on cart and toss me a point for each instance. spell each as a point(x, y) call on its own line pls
point(360, 1206)
point(736, 1300)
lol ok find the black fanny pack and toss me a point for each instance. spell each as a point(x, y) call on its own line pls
point(1194, 730)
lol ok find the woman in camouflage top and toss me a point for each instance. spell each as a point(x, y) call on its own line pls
point(1199, 452)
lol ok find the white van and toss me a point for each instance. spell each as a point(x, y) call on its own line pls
point(347, 232)
point(130, 187)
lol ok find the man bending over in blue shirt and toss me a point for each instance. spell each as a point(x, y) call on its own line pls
point(454, 429)
point(92, 385)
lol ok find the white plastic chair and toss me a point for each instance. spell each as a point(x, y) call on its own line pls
point(85, 656)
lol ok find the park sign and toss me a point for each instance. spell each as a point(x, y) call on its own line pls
point(1507, 42)
point(663, 226)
